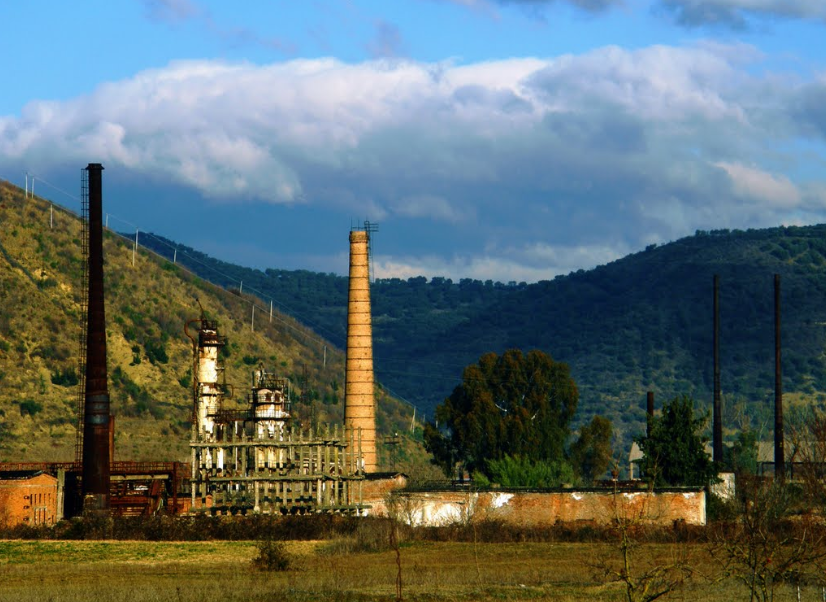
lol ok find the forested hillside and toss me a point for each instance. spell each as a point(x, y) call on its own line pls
point(149, 356)
point(640, 323)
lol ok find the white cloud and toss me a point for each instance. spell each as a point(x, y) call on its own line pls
point(760, 186)
point(559, 154)
point(526, 263)
point(432, 207)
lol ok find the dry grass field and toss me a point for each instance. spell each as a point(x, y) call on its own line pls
point(137, 571)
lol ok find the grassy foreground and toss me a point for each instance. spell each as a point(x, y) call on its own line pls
point(136, 571)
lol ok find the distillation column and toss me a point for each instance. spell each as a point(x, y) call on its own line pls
point(359, 406)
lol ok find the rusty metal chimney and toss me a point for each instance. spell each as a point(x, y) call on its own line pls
point(359, 405)
point(96, 405)
point(717, 438)
point(779, 455)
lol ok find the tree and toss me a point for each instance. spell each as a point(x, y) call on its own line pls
point(523, 472)
point(591, 453)
point(741, 457)
point(644, 577)
point(510, 405)
point(770, 543)
point(674, 453)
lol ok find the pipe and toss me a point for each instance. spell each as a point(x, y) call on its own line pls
point(717, 437)
point(649, 413)
point(779, 455)
point(96, 457)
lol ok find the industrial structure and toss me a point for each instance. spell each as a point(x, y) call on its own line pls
point(359, 398)
point(256, 459)
point(96, 421)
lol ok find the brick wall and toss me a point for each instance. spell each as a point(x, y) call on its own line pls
point(28, 500)
point(539, 509)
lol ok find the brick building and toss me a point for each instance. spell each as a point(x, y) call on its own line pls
point(29, 497)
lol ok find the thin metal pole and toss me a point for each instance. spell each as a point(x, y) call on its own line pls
point(649, 412)
point(252, 323)
point(135, 248)
point(270, 311)
point(107, 221)
point(51, 215)
point(241, 288)
point(718, 408)
point(32, 186)
point(779, 455)
point(27, 185)
point(175, 256)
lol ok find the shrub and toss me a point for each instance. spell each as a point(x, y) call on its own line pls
point(156, 351)
point(272, 556)
point(65, 378)
point(30, 407)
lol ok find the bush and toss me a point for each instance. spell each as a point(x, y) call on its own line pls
point(156, 351)
point(30, 407)
point(272, 556)
point(370, 535)
point(65, 378)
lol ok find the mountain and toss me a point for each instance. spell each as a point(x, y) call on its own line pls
point(149, 356)
point(643, 322)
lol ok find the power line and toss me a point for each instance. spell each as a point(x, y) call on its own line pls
point(304, 332)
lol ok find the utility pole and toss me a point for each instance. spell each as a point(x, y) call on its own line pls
point(135, 248)
point(779, 455)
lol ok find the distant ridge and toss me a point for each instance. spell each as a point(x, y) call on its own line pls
point(641, 322)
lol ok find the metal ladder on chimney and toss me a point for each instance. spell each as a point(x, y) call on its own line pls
point(84, 309)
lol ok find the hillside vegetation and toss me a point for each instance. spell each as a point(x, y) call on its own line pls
point(640, 323)
point(150, 358)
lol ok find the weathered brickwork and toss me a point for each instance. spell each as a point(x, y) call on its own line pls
point(541, 509)
point(28, 500)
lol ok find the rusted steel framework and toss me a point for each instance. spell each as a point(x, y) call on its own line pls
point(359, 399)
point(255, 459)
point(96, 406)
point(136, 488)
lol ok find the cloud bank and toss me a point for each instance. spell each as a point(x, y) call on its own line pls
point(514, 170)
point(736, 13)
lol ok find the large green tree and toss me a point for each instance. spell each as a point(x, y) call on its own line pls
point(674, 453)
point(516, 405)
point(591, 453)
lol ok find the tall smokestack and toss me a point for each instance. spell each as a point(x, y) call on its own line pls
point(359, 406)
point(96, 406)
point(718, 408)
point(779, 456)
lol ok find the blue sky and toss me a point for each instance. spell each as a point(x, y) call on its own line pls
point(510, 140)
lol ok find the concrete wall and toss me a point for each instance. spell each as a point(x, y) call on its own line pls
point(28, 500)
point(437, 508)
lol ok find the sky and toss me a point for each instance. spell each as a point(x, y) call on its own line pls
point(511, 140)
